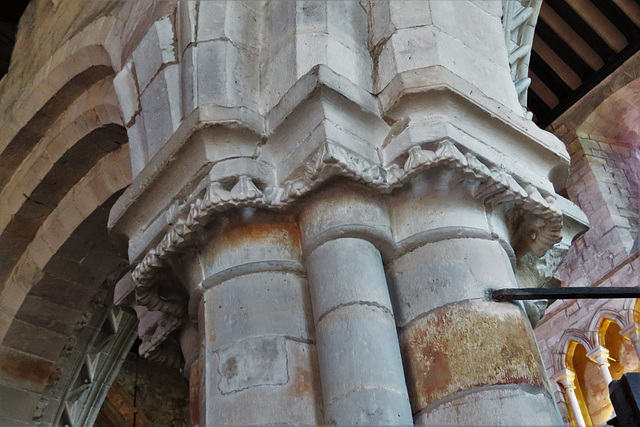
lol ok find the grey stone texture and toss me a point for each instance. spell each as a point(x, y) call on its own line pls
point(319, 195)
point(357, 342)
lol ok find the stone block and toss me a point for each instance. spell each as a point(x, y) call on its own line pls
point(46, 314)
point(234, 20)
point(236, 72)
point(353, 63)
point(499, 406)
point(439, 273)
point(18, 406)
point(473, 27)
point(346, 271)
point(35, 340)
point(159, 110)
point(155, 49)
point(490, 78)
point(277, 74)
point(189, 80)
point(311, 50)
point(264, 240)
point(466, 345)
point(137, 135)
point(261, 304)
point(211, 20)
point(311, 18)
point(25, 371)
point(186, 23)
point(253, 362)
point(410, 13)
point(60, 291)
point(344, 209)
point(297, 401)
point(370, 407)
point(347, 23)
point(432, 202)
point(125, 86)
point(361, 334)
point(280, 25)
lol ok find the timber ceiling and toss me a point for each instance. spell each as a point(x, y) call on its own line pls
point(577, 44)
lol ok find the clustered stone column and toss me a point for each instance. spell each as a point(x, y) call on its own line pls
point(335, 201)
point(566, 379)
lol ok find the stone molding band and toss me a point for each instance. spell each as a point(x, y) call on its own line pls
point(492, 186)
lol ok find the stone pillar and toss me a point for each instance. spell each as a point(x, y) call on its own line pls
point(360, 363)
point(467, 360)
point(258, 359)
point(430, 126)
point(566, 379)
point(632, 333)
point(600, 356)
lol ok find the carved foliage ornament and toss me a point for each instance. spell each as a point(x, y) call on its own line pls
point(493, 187)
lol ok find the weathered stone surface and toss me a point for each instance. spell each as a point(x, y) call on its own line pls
point(508, 406)
point(467, 345)
point(252, 363)
point(295, 401)
point(360, 333)
point(356, 277)
point(259, 304)
point(445, 272)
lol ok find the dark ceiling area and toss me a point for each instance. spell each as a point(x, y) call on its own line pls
point(10, 13)
point(577, 44)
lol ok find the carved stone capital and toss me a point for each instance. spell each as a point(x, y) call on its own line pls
point(540, 223)
point(565, 378)
point(599, 355)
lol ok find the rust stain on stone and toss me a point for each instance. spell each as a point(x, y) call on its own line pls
point(283, 232)
point(302, 382)
point(25, 369)
point(469, 345)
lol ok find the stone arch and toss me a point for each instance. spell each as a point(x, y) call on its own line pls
point(577, 361)
point(57, 167)
point(83, 60)
point(107, 177)
point(53, 266)
point(632, 311)
point(598, 322)
point(570, 336)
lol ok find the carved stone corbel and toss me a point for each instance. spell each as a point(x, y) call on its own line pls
point(157, 329)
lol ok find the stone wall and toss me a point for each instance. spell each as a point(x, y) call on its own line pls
point(601, 133)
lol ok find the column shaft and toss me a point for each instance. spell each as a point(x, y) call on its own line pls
point(360, 363)
point(600, 356)
point(468, 361)
point(566, 379)
point(258, 363)
point(575, 406)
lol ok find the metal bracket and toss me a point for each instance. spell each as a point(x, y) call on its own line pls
point(513, 294)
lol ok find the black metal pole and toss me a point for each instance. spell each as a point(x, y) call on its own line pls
point(564, 293)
